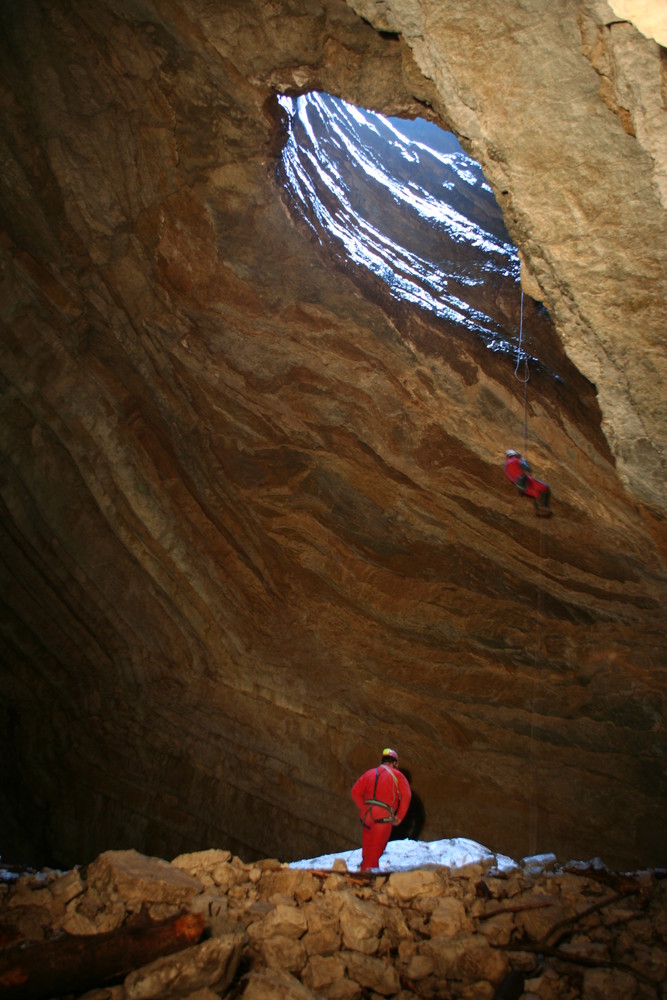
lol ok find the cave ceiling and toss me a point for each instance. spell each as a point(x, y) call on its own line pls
point(254, 522)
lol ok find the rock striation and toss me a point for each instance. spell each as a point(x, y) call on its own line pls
point(536, 930)
point(582, 92)
point(253, 521)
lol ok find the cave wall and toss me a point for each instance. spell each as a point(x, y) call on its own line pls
point(564, 107)
point(253, 520)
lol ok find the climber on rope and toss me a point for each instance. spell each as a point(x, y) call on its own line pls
point(382, 796)
point(517, 471)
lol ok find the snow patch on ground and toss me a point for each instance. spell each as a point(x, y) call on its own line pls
point(402, 855)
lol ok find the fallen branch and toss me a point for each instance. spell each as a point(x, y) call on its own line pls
point(569, 922)
point(76, 963)
point(355, 877)
point(620, 881)
point(541, 947)
point(536, 904)
point(591, 963)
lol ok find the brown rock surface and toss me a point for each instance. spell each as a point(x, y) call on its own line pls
point(563, 105)
point(253, 519)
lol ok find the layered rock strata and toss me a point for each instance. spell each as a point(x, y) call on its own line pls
point(582, 92)
point(537, 930)
point(254, 524)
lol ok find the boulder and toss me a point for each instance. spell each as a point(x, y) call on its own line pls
point(140, 880)
point(210, 964)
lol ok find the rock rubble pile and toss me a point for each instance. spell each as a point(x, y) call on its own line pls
point(245, 492)
point(265, 930)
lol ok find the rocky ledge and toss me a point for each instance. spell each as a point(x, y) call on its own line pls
point(207, 925)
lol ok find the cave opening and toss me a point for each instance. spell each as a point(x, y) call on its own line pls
point(401, 199)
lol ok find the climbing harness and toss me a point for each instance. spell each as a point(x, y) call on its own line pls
point(377, 802)
point(526, 374)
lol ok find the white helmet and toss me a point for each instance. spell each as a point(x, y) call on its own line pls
point(510, 452)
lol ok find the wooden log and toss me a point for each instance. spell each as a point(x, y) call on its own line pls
point(73, 964)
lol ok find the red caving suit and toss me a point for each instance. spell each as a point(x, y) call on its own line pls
point(382, 796)
point(517, 471)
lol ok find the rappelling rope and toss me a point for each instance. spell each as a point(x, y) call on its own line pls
point(526, 373)
point(532, 762)
point(533, 782)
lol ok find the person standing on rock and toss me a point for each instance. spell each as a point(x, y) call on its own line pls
point(382, 796)
point(517, 471)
